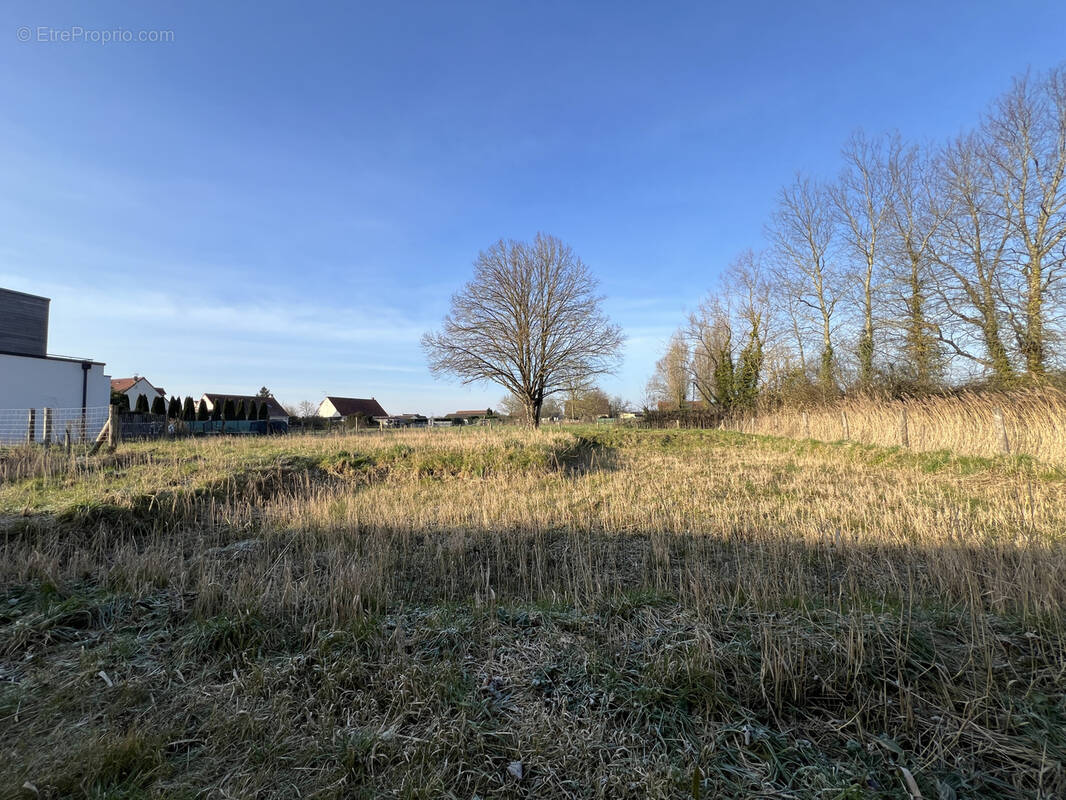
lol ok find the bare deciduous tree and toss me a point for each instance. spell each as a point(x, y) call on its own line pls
point(1026, 139)
point(670, 382)
point(861, 198)
point(530, 320)
point(972, 251)
point(588, 403)
point(802, 232)
point(747, 281)
point(511, 406)
point(914, 216)
point(551, 408)
point(710, 329)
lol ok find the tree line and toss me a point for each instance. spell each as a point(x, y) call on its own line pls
point(915, 269)
point(575, 401)
point(190, 410)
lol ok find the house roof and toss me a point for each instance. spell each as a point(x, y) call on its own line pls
point(275, 407)
point(350, 406)
point(125, 384)
point(475, 413)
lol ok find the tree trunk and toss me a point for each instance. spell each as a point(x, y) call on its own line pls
point(866, 340)
point(918, 343)
point(532, 406)
point(1033, 345)
point(1002, 371)
point(825, 371)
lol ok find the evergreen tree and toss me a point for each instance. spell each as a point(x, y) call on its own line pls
point(216, 412)
point(174, 408)
point(202, 414)
point(253, 410)
point(229, 410)
point(188, 410)
point(264, 411)
point(120, 399)
point(240, 414)
point(142, 404)
point(159, 405)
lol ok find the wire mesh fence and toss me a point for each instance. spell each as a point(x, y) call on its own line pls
point(51, 425)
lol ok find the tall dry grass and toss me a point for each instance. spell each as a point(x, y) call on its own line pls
point(626, 612)
point(1033, 420)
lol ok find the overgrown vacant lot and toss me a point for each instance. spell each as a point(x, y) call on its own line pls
point(622, 613)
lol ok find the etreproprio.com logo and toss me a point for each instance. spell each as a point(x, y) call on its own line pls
point(75, 34)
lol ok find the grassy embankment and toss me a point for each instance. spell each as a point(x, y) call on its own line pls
point(623, 613)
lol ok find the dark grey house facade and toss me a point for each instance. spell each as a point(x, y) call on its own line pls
point(23, 323)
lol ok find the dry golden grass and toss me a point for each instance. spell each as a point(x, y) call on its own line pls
point(1034, 421)
point(627, 613)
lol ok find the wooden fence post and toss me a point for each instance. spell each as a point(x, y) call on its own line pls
point(806, 425)
point(114, 428)
point(48, 417)
point(904, 434)
point(1001, 429)
point(31, 426)
point(844, 429)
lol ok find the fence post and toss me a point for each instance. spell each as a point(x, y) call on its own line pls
point(904, 434)
point(114, 427)
point(1001, 429)
point(844, 424)
point(806, 425)
point(48, 416)
point(31, 426)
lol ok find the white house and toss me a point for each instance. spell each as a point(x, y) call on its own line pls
point(344, 407)
point(52, 382)
point(32, 379)
point(136, 386)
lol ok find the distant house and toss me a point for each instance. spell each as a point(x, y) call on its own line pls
point(29, 377)
point(403, 421)
point(470, 417)
point(349, 407)
point(136, 386)
point(274, 409)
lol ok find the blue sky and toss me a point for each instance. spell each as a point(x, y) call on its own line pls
point(287, 194)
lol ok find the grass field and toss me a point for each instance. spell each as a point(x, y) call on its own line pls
point(564, 613)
